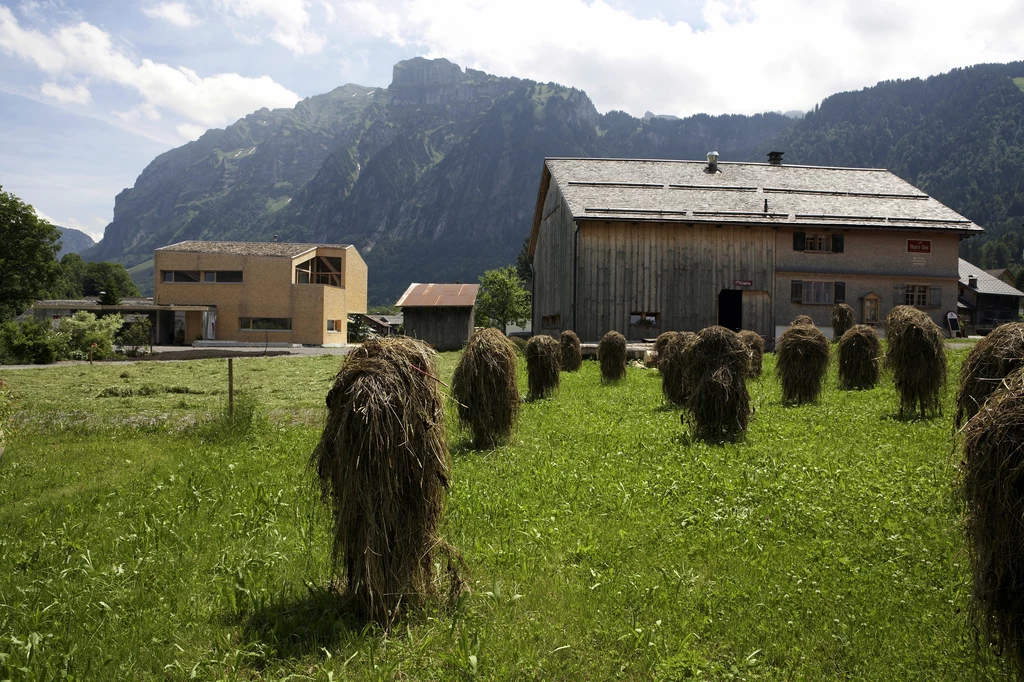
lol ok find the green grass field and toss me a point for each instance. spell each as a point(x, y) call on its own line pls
point(140, 543)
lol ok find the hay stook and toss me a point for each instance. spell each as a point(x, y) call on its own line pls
point(755, 351)
point(802, 320)
point(572, 355)
point(382, 465)
point(842, 320)
point(484, 384)
point(716, 366)
point(992, 359)
point(543, 355)
point(802, 361)
point(672, 366)
point(917, 358)
point(860, 353)
point(611, 352)
point(992, 496)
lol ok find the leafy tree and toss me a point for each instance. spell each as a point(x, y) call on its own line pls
point(524, 268)
point(107, 277)
point(110, 294)
point(502, 299)
point(28, 259)
point(71, 278)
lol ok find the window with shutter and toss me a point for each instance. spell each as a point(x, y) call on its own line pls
point(798, 241)
point(837, 243)
point(840, 292)
point(935, 297)
point(899, 294)
point(797, 295)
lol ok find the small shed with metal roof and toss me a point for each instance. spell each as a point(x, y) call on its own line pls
point(440, 314)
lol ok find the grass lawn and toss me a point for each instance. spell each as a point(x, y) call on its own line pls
point(601, 544)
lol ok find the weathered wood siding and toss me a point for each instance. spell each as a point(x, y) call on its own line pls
point(442, 327)
point(676, 270)
point(552, 265)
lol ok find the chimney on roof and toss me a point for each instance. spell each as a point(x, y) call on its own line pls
point(775, 158)
point(972, 282)
point(712, 162)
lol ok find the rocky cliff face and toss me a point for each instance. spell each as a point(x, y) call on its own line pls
point(434, 178)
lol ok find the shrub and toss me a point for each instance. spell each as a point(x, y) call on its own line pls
point(484, 385)
point(30, 343)
point(82, 330)
point(133, 339)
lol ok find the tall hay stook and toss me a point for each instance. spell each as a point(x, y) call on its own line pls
point(860, 358)
point(755, 351)
point(917, 358)
point(716, 367)
point(802, 361)
point(382, 464)
point(802, 321)
point(484, 384)
point(543, 355)
point(661, 343)
point(572, 355)
point(992, 495)
point(989, 362)
point(672, 365)
point(611, 353)
point(842, 320)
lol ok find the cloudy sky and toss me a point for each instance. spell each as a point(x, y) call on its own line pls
point(91, 91)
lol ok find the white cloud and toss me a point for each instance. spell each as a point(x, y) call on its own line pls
point(751, 55)
point(85, 50)
point(174, 13)
point(189, 131)
point(76, 94)
point(290, 19)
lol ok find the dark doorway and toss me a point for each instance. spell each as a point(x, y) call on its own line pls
point(730, 309)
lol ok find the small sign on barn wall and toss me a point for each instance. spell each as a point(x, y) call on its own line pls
point(743, 282)
point(919, 246)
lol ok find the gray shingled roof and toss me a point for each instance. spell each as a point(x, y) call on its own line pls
point(284, 249)
point(632, 189)
point(987, 284)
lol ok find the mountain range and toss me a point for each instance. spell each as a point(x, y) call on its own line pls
point(73, 241)
point(435, 177)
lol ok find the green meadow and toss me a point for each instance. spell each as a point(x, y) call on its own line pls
point(145, 538)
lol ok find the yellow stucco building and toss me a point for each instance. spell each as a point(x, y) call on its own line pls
point(258, 291)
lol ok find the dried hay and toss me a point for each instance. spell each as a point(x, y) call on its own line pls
point(803, 320)
point(672, 365)
point(572, 357)
point(543, 354)
point(860, 353)
point(382, 464)
point(611, 352)
point(842, 320)
point(992, 494)
point(662, 341)
point(715, 372)
point(992, 359)
point(520, 344)
point(755, 351)
point(802, 360)
point(484, 384)
point(917, 358)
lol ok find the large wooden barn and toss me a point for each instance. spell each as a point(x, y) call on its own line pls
point(647, 246)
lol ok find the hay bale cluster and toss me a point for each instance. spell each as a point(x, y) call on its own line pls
point(484, 384)
point(755, 351)
point(860, 353)
point(802, 353)
point(382, 465)
point(989, 362)
point(715, 373)
point(611, 352)
point(992, 492)
point(672, 365)
point(572, 356)
point(543, 355)
point(842, 320)
point(917, 358)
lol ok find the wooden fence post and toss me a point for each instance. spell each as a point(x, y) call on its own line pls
point(231, 390)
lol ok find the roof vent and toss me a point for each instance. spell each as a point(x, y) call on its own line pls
point(775, 158)
point(972, 282)
point(712, 162)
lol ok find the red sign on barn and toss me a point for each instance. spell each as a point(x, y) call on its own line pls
point(919, 246)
